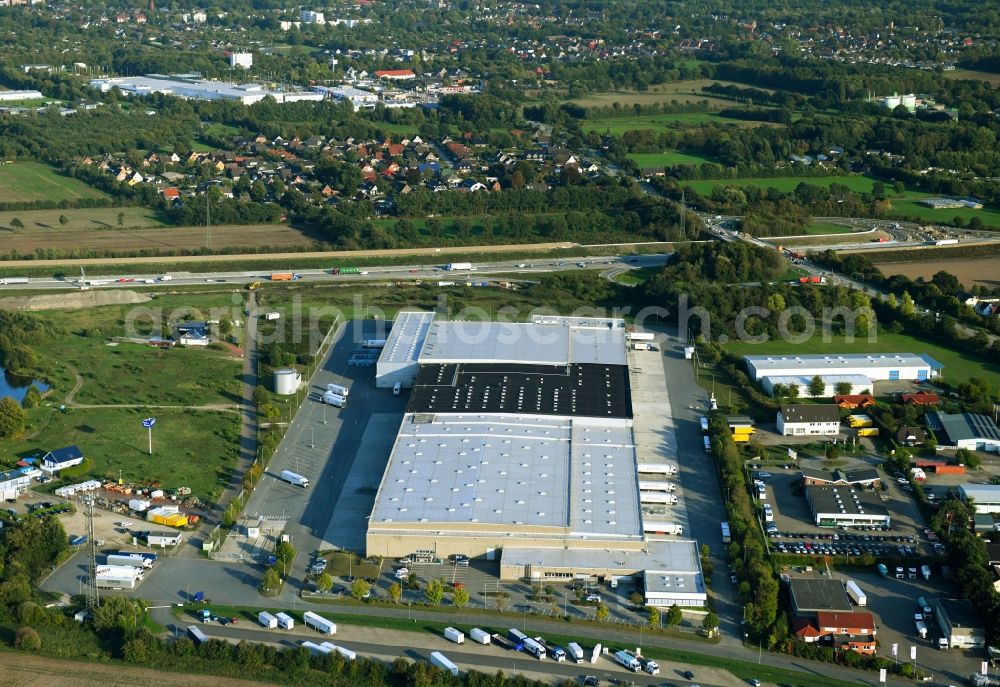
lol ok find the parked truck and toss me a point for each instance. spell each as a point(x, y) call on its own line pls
point(575, 652)
point(295, 479)
point(442, 662)
point(535, 648)
point(854, 591)
point(134, 561)
point(267, 620)
point(921, 629)
point(338, 390)
point(517, 638)
point(285, 621)
point(452, 266)
point(453, 635)
point(503, 641)
point(332, 399)
point(628, 660)
point(925, 570)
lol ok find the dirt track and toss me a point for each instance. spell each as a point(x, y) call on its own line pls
point(27, 670)
point(157, 238)
point(245, 257)
point(74, 300)
point(968, 270)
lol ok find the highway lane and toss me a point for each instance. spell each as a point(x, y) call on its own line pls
point(514, 269)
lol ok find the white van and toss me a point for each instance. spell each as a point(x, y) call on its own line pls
point(396, 388)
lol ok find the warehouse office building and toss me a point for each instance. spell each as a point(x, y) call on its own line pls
point(970, 431)
point(845, 506)
point(517, 445)
point(985, 497)
point(860, 370)
point(803, 419)
point(13, 484)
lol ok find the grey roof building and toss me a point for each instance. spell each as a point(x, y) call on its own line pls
point(960, 624)
point(965, 430)
point(812, 594)
point(865, 476)
point(835, 506)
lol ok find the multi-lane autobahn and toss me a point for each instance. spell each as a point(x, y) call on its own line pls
point(524, 269)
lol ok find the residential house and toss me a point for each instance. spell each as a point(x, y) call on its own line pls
point(910, 436)
point(921, 399)
point(62, 458)
point(852, 401)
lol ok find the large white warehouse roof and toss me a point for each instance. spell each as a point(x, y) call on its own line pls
point(512, 473)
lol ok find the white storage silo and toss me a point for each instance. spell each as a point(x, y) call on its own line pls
point(909, 102)
point(286, 381)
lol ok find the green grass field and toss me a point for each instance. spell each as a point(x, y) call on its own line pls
point(858, 184)
point(958, 367)
point(24, 182)
point(667, 159)
point(216, 129)
point(82, 218)
point(675, 91)
point(903, 205)
point(129, 373)
point(619, 125)
point(190, 448)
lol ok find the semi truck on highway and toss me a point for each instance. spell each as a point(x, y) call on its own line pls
point(295, 479)
point(453, 266)
point(14, 280)
point(345, 270)
point(285, 276)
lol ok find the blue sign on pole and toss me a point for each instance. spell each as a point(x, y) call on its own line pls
point(149, 422)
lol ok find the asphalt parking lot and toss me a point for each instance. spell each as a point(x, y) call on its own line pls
point(894, 603)
point(798, 533)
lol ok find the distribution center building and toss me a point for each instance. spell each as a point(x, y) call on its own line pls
point(517, 445)
point(860, 370)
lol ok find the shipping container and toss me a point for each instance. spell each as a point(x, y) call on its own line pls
point(453, 635)
point(285, 621)
point(267, 620)
point(316, 649)
point(442, 662)
point(479, 636)
point(319, 623)
point(854, 591)
point(345, 653)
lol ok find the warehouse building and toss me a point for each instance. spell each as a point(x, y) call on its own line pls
point(811, 595)
point(804, 419)
point(13, 484)
point(985, 497)
point(964, 430)
point(860, 370)
point(844, 506)
point(193, 87)
point(517, 445)
point(960, 624)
